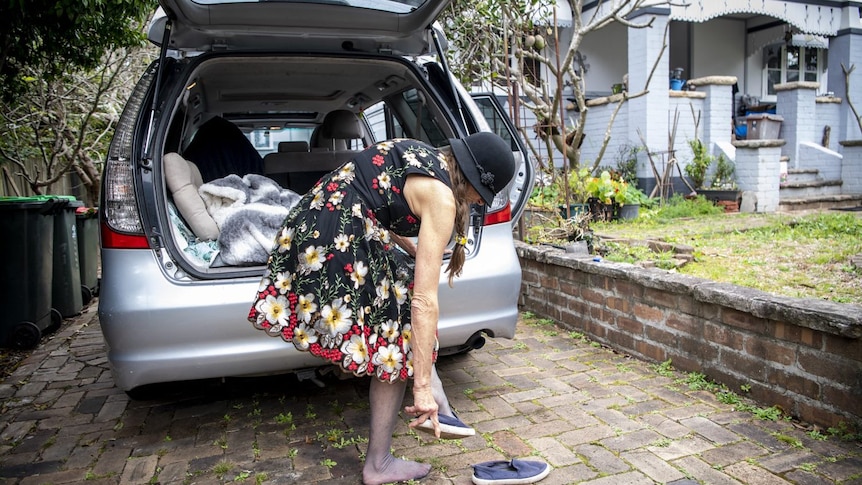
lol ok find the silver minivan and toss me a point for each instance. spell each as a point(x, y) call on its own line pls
point(247, 106)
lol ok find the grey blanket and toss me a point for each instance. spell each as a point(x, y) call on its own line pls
point(249, 211)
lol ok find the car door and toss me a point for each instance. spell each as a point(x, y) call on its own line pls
point(500, 123)
point(392, 26)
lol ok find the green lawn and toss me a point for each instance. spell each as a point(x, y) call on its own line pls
point(796, 255)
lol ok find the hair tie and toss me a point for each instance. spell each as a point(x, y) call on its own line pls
point(461, 240)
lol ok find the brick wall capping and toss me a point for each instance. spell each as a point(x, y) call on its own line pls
point(840, 319)
point(797, 85)
point(758, 143)
point(712, 80)
point(614, 98)
point(851, 143)
point(687, 94)
point(828, 99)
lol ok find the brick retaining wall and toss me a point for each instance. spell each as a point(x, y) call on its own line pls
point(804, 355)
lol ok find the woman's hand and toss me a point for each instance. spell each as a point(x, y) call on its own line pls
point(424, 407)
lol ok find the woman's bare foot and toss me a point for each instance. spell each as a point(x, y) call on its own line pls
point(393, 470)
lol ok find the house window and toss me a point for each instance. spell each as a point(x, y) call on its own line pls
point(787, 63)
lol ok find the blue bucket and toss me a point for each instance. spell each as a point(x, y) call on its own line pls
point(676, 84)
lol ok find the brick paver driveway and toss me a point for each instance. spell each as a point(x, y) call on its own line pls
point(597, 416)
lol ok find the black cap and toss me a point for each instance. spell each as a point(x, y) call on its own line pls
point(487, 162)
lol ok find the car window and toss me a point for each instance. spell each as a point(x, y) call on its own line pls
point(426, 125)
point(495, 120)
point(265, 140)
point(384, 125)
point(405, 115)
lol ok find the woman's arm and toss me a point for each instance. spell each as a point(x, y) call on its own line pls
point(432, 201)
point(404, 243)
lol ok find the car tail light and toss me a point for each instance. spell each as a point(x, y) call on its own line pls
point(503, 214)
point(121, 224)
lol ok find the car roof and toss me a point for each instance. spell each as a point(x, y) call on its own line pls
point(391, 26)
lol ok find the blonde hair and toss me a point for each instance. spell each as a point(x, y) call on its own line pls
point(460, 188)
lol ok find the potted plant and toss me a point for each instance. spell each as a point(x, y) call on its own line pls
point(700, 162)
point(722, 188)
point(630, 198)
point(552, 194)
point(577, 185)
point(602, 192)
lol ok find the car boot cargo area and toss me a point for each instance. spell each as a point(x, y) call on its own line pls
point(250, 134)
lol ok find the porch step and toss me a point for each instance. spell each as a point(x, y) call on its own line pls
point(809, 188)
point(795, 175)
point(821, 202)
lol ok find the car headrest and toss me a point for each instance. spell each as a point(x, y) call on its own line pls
point(337, 126)
point(292, 146)
point(341, 125)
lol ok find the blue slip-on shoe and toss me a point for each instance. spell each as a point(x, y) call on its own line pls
point(513, 472)
point(451, 428)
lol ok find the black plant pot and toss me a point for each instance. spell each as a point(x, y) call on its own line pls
point(715, 195)
point(602, 211)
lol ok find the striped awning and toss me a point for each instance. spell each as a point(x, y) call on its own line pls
point(819, 18)
point(809, 40)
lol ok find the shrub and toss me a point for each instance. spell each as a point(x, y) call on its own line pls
point(678, 206)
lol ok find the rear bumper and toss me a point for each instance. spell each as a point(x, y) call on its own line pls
point(159, 330)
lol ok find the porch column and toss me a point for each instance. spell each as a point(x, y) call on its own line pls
point(649, 113)
point(717, 110)
point(758, 174)
point(846, 48)
point(796, 104)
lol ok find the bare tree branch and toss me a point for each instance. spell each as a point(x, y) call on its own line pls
point(557, 126)
point(64, 126)
point(847, 73)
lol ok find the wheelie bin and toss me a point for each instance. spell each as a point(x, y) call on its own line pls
point(87, 221)
point(26, 243)
point(66, 295)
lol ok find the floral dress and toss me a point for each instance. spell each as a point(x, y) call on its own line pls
point(335, 284)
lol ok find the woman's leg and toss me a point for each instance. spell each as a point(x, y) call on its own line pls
point(380, 466)
point(439, 394)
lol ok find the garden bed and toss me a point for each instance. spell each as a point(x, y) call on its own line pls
point(809, 255)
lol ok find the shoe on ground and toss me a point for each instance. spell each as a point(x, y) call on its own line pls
point(451, 428)
point(512, 472)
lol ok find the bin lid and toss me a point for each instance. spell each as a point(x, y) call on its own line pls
point(32, 198)
point(39, 201)
point(71, 199)
point(764, 116)
point(32, 202)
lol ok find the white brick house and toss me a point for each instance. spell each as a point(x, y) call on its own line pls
point(784, 56)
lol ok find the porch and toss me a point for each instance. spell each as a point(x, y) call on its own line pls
point(802, 167)
point(733, 58)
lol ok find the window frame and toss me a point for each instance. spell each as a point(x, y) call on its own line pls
point(820, 72)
